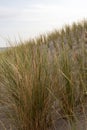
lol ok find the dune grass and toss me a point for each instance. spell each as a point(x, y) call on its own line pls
point(46, 78)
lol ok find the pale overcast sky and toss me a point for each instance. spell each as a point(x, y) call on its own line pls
point(29, 18)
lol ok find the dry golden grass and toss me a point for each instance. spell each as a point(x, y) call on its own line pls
point(46, 77)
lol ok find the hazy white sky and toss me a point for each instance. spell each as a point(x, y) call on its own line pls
point(29, 18)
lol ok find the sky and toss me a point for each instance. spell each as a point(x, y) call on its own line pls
point(24, 19)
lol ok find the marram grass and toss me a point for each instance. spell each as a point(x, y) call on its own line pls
point(45, 79)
